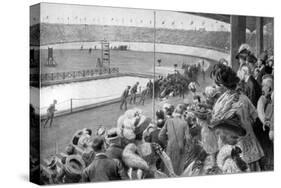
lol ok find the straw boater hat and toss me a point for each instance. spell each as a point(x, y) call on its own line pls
point(112, 136)
point(74, 165)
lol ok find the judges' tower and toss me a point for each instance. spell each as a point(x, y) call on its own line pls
point(105, 53)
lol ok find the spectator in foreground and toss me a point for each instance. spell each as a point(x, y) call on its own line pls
point(176, 132)
point(234, 102)
point(103, 168)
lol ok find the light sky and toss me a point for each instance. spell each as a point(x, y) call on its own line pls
point(98, 15)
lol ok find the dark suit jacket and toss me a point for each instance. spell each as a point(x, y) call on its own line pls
point(114, 151)
point(253, 90)
point(104, 168)
point(125, 94)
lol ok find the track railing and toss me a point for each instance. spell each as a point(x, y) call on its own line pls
point(72, 75)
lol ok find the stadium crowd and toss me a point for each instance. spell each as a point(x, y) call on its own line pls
point(226, 129)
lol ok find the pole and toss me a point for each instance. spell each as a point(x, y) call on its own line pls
point(71, 105)
point(154, 60)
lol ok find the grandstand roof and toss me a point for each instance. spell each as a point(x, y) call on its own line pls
point(250, 20)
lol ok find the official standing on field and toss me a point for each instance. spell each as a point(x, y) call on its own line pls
point(134, 91)
point(124, 97)
point(50, 113)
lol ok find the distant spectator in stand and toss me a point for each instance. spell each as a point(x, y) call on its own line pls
point(50, 113)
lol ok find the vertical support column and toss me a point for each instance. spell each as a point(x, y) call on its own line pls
point(154, 61)
point(237, 37)
point(71, 105)
point(259, 35)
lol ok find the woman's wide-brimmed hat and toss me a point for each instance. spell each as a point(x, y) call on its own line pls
point(74, 165)
point(244, 54)
point(232, 124)
point(243, 51)
point(224, 75)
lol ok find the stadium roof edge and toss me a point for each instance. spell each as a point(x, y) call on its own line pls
point(250, 20)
